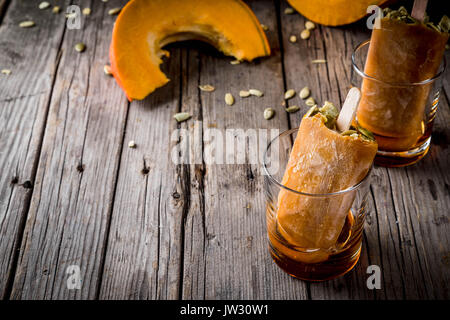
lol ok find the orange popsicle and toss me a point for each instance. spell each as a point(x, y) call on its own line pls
point(402, 50)
point(322, 161)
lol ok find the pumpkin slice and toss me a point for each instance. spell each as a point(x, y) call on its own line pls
point(145, 26)
point(333, 12)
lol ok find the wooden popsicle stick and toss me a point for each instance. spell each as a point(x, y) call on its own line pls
point(348, 110)
point(418, 10)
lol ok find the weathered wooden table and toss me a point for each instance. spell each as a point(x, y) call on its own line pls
point(72, 193)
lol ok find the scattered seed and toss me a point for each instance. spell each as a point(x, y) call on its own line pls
point(293, 39)
point(268, 113)
point(229, 99)
point(255, 92)
point(309, 25)
point(289, 94)
point(312, 111)
point(304, 93)
point(288, 11)
point(305, 34)
point(86, 11)
point(319, 61)
point(264, 27)
point(310, 101)
point(56, 9)
point(234, 62)
point(114, 11)
point(27, 24)
point(44, 5)
point(182, 116)
point(244, 94)
point(6, 71)
point(132, 144)
point(292, 109)
point(80, 47)
point(107, 70)
point(206, 87)
point(348, 132)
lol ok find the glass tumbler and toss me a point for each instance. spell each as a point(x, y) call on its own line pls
point(337, 217)
point(400, 115)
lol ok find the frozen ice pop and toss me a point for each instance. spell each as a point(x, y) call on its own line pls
point(323, 160)
point(402, 50)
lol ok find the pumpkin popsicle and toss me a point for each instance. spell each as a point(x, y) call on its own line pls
point(323, 160)
point(403, 50)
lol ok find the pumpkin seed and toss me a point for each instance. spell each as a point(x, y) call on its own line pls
point(229, 99)
point(309, 25)
point(310, 101)
point(206, 87)
point(86, 11)
point(244, 94)
point(114, 11)
point(319, 61)
point(107, 70)
point(104, 0)
point(293, 39)
point(234, 62)
point(444, 24)
point(292, 109)
point(27, 24)
point(44, 5)
point(264, 27)
point(288, 11)
point(80, 47)
point(330, 113)
point(182, 116)
point(304, 93)
point(56, 9)
point(289, 94)
point(255, 92)
point(349, 132)
point(312, 111)
point(366, 133)
point(132, 144)
point(305, 34)
point(6, 71)
point(268, 113)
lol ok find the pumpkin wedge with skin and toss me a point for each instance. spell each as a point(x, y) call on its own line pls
point(145, 26)
point(333, 12)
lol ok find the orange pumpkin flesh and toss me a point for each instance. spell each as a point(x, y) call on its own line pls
point(145, 26)
point(333, 12)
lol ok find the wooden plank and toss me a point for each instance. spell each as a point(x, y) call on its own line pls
point(24, 100)
point(144, 247)
point(225, 251)
point(75, 181)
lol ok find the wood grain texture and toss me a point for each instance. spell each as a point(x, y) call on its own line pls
point(226, 255)
point(73, 190)
point(24, 100)
point(144, 247)
point(161, 221)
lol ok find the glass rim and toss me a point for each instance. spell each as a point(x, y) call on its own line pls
point(442, 68)
point(318, 195)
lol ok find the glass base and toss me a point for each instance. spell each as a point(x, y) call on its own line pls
point(402, 158)
point(336, 266)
